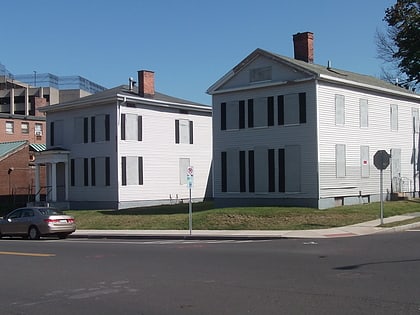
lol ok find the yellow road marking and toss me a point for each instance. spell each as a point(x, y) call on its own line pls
point(27, 254)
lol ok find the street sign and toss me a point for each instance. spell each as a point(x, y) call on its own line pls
point(190, 177)
point(381, 159)
point(190, 183)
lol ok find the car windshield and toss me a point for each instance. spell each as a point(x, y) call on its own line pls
point(50, 211)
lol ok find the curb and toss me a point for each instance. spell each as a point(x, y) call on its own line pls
point(173, 237)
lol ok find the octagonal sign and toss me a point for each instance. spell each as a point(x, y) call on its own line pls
point(381, 159)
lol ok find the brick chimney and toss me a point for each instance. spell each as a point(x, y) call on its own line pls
point(146, 81)
point(304, 46)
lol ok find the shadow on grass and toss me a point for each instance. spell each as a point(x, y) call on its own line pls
point(180, 208)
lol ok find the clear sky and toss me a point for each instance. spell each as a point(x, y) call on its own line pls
point(189, 44)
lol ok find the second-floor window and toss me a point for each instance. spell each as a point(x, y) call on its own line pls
point(131, 127)
point(10, 127)
point(24, 128)
point(184, 131)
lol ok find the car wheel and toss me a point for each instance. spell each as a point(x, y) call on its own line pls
point(33, 233)
point(62, 236)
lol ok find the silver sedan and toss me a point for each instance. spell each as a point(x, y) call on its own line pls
point(34, 222)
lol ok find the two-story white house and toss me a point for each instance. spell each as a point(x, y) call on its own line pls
point(126, 147)
point(290, 132)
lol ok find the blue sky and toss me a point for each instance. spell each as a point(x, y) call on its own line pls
point(189, 44)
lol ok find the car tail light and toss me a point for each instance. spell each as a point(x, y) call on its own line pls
point(70, 220)
point(51, 220)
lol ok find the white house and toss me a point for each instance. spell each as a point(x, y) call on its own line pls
point(290, 132)
point(127, 147)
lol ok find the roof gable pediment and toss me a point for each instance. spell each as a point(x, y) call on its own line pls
point(258, 69)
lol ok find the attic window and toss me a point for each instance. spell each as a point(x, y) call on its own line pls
point(260, 74)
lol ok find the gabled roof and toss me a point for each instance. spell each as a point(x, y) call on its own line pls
point(317, 72)
point(123, 93)
point(7, 148)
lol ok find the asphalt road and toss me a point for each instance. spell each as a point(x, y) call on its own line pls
point(377, 274)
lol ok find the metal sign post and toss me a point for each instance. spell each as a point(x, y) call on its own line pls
point(381, 161)
point(190, 182)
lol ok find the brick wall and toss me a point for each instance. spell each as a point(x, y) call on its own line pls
point(20, 181)
point(17, 134)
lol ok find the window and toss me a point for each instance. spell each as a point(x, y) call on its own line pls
point(260, 74)
point(24, 128)
point(184, 131)
point(79, 175)
point(131, 170)
point(292, 162)
point(291, 109)
point(100, 128)
point(131, 127)
point(184, 163)
point(78, 133)
point(363, 111)
point(9, 127)
point(364, 161)
point(394, 117)
point(56, 132)
point(38, 129)
point(339, 110)
point(232, 115)
point(261, 112)
point(340, 160)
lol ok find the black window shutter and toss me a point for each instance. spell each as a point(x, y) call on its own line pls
point(191, 132)
point(52, 133)
point(92, 128)
point(224, 172)
point(72, 172)
point(140, 128)
point(280, 112)
point(107, 131)
point(223, 116)
point(86, 171)
point(122, 126)
point(250, 113)
point(85, 130)
point(123, 171)
point(241, 114)
point(271, 174)
point(140, 170)
point(282, 177)
point(93, 171)
point(176, 131)
point(107, 171)
point(270, 111)
point(251, 171)
point(242, 179)
point(302, 108)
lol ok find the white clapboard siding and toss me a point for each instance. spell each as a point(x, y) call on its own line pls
point(161, 174)
point(377, 136)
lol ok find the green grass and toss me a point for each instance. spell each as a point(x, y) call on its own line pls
point(399, 223)
point(205, 217)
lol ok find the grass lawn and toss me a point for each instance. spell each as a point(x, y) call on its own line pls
point(205, 217)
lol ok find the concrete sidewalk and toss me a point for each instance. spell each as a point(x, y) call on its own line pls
point(365, 228)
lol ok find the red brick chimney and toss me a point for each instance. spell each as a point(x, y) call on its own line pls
point(146, 81)
point(304, 46)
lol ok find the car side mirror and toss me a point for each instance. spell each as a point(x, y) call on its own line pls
point(9, 220)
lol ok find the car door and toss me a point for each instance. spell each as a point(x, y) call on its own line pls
point(13, 222)
point(26, 220)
